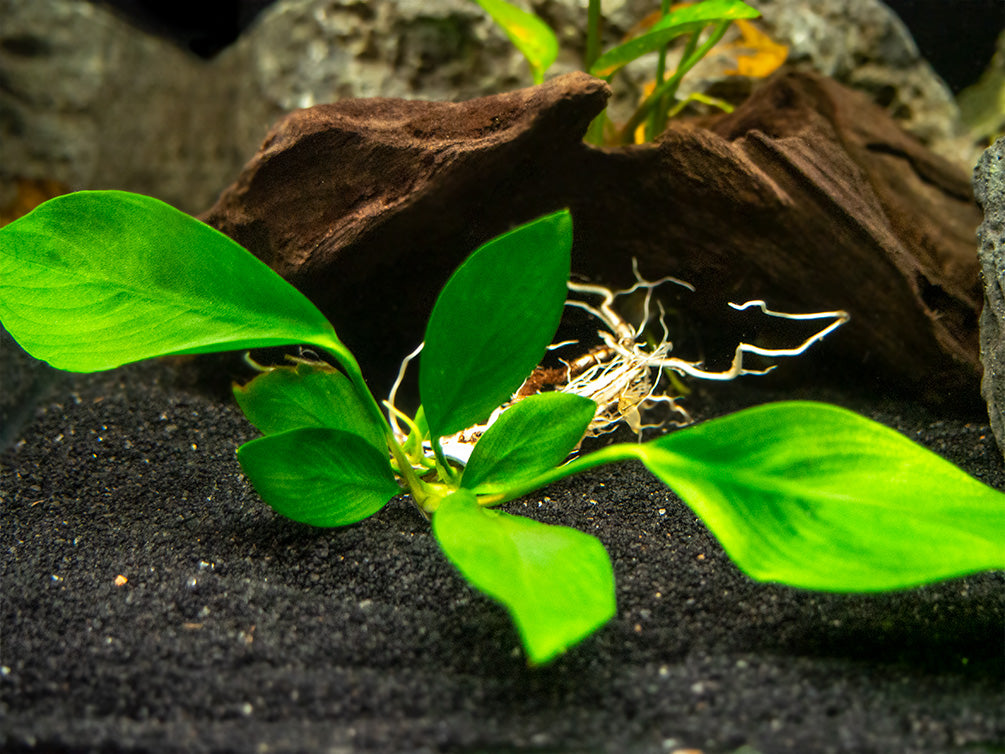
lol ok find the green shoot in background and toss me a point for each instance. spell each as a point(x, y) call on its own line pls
point(528, 33)
point(539, 45)
point(799, 493)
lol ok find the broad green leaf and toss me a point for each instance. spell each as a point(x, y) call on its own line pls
point(684, 20)
point(815, 496)
point(307, 395)
point(528, 33)
point(96, 279)
point(319, 476)
point(492, 323)
point(527, 439)
point(556, 582)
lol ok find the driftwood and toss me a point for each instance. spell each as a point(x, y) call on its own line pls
point(807, 196)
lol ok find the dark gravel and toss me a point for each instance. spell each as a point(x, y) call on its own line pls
point(240, 631)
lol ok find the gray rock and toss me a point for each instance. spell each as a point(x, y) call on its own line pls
point(301, 53)
point(989, 189)
point(306, 52)
point(91, 102)
point(865, 45)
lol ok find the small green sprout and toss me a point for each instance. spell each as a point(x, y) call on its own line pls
point(799, 493)
point(539, 44)
point(528, 33)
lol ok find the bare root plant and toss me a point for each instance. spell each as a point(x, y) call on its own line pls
point(628, 375)
point(789, 488)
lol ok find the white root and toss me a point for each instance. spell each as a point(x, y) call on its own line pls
point(624, 375)
point(392, 414)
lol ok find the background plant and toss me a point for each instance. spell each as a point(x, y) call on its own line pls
point(799, 493)
point(703, 24)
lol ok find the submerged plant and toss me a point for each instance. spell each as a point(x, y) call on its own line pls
point(703, 24)
point(624, 375)
point(799, 493)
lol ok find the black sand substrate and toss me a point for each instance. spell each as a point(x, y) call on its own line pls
point(152, 603)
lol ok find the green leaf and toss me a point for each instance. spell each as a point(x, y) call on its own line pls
point(556, 582)
point(96, 279)
point(528, 33)
point(319, 476)
point(815, 496)
point(492, 323)
point(684, 20)
point(527, 439)
point(307, 395)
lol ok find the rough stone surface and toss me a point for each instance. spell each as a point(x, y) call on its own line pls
point(306, 52)
point(807, 196)
point(864, 45)
point(989, 188)
point(91, 102)
point(444, 49)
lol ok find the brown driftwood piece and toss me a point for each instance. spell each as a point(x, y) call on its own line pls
point(806, 196)
point(368, 205)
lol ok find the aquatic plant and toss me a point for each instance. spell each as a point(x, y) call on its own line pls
point(798, 493)
point(703, 24)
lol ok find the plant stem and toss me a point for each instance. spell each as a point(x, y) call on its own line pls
point(595, 133)
point(661, 67)
point(689, 46)
point(669, 87)
point(446, 472)
point(350, 366)
point(661, 112)
point(420, 490)
point(610, 454)
point(415, 485)
point(592, 35)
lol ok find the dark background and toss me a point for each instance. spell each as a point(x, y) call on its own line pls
point(956, 36)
